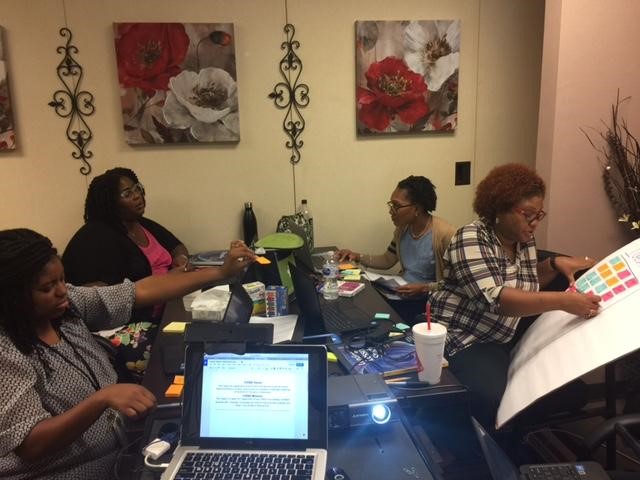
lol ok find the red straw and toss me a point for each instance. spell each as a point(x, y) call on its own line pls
point(428, 315)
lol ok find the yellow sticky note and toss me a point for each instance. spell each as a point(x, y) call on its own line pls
point(174, 327)
point(331, 357)
point(263, 260)
point(174, 391)
point(351, 278)
point(178, 380)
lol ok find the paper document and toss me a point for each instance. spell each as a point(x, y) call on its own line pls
point(560, 347)
point(283, 326)
point(386, 284)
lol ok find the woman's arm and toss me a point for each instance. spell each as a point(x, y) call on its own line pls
point(567, 266)
point(56, 433)
point(520, 303)
point(180, 256)
point(160, 288)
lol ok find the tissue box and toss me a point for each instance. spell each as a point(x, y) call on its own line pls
point(256, 292)
point(210, 304)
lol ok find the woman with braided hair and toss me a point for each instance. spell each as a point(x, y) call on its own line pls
point(58, 390)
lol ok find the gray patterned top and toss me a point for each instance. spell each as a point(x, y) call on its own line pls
point(28, 394)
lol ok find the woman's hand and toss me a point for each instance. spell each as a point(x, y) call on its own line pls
point(348, 255)
point(582, 304)
point(237, 259)
point(412, 289)
point(181, 263)
point(568, 266)
point(130, 399)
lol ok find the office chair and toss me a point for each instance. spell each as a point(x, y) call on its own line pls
point(627, 427)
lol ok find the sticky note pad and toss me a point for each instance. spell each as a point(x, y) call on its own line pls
point(331, 357)
point(178, 380)
point(382, 316)
point(174, 391)
point(263, 260)
point(402, 326)
point(174, 327)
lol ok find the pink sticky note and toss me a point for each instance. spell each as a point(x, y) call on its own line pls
point(632, 282)
point(624, 274)
point(619, 289)
point(607, 296)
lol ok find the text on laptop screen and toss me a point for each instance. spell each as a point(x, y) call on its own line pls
point(255, 395)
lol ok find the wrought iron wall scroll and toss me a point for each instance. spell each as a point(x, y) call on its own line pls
point(73, 103)
point(291, 95)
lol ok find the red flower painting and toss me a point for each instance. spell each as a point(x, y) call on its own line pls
point(149, 54)
point(393, 92)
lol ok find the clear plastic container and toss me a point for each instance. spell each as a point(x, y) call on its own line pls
point(330, 272)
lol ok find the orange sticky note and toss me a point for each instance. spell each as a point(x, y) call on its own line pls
point(178, 380)
point(263, 260)
point(346, 266)
point(174, 391)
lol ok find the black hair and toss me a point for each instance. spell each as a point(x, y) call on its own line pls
point(420, 191)
point(101, 203)
point(23, 255)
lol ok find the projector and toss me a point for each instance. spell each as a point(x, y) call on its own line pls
point(360, 400)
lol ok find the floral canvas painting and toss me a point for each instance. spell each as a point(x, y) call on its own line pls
point(177, 82)
point(407, 76)
point(7, 134)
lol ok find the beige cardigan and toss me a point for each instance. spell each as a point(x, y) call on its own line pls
point(442, 231)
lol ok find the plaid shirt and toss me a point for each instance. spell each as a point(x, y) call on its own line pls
point(475, 271)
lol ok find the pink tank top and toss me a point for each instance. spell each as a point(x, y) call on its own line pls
point(160, 261)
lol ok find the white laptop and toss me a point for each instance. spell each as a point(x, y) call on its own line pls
point(263, 410)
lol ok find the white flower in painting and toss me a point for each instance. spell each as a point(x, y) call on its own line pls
point(432, 49)
point(205, 102)
point(624, 218)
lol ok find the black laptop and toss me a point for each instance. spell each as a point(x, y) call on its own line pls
point(258, 414)
point(331, 316)
point(502, 468)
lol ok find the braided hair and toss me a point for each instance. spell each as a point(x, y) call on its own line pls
point(420, 190)
point(23, 255)
point(101, 203)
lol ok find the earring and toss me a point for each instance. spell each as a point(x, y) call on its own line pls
point(497, 220)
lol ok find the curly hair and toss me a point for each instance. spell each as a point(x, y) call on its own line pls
point(23, 255)
point(101, 203)
point(420, 191)
point(504, 187)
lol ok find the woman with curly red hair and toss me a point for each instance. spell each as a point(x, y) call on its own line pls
point(492, 278)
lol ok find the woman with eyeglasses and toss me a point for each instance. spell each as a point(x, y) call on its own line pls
point(492, 278)
point(419, 241)
point(118, 242)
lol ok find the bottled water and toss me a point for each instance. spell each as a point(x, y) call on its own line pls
point(305, 210)
point(330, 273)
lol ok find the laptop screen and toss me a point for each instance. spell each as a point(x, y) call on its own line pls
point(269, 397)
point(256, 395)
point(500, 465)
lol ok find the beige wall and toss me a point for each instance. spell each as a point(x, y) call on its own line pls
point(198, 191)
point(590, 51)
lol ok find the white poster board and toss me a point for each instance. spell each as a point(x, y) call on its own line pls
point(560, 347)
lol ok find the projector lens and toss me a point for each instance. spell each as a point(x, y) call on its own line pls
point(380, 413)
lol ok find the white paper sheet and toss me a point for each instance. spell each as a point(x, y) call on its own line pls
point(388, 281)
point(560, 347)
point(283, 326)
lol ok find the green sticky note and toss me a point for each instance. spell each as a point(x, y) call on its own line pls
point(382, 316)
point(402, 326)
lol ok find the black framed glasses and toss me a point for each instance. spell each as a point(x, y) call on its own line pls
point(136, 188)
point(394, 207)
point(531, 217)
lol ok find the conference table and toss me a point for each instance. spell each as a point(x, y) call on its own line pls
point(437, 399)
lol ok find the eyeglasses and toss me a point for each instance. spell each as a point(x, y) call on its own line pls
point(531, 217)
point(394, 208)
point(127, 193)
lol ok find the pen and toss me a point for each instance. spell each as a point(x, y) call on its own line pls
point(410, 384)
point(396, 380)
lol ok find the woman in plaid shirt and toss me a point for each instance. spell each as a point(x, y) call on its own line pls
point(492, 278)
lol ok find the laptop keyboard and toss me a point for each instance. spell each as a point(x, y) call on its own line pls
point(339, 318)
point(552, 472)
point(245, 466)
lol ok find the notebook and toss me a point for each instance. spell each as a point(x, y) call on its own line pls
point(269, 402)
point(332, 316)
point(502, 468)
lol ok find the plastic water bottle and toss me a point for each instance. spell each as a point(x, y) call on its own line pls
point(330, 273)
point(304, 209)
point(249, 225)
